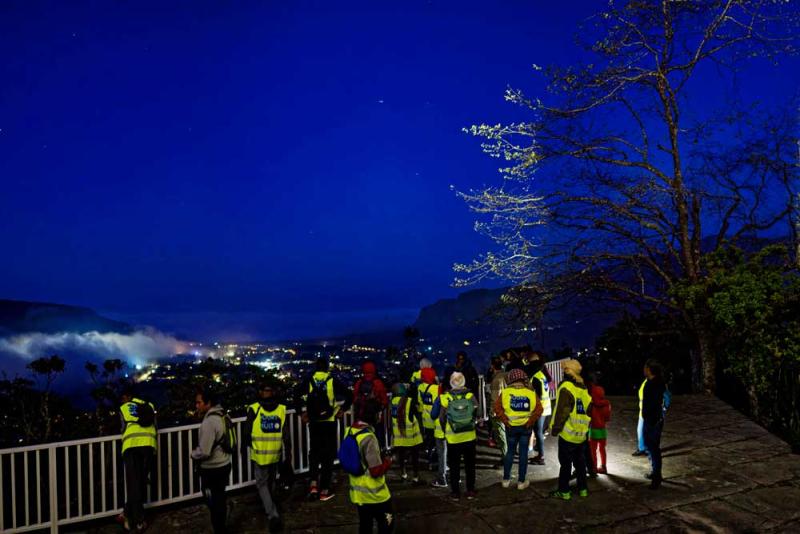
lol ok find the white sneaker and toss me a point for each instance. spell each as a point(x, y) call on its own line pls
point(523, 485)
point(506, 483)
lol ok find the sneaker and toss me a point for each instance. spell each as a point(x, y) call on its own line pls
point(637, 452)
point(141, 527)
point(471, 495)
point(602, 471)
point(537, 460)
point(655, 483)
point(326, 495)
point(559, 495)
point(455, 497)
point(404, 476)
point(583, 493)
point(523, 485)
point(506, 483)
point(416, 481)
point(438, 483)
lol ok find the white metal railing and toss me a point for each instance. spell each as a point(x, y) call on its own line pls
point(53, 484)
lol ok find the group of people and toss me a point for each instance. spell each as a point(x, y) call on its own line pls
point(433, 419)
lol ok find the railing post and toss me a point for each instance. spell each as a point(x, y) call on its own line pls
point(53, 488)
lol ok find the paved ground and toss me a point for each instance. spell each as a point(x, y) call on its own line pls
point(723, 473)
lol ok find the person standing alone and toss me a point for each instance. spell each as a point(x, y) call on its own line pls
point(653, 418)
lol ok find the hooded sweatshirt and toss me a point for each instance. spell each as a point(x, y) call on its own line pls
point(378, 388)
point(601, 407)
point(212, 429)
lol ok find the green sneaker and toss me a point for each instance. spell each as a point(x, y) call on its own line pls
point(563, 496)
point(583, 493)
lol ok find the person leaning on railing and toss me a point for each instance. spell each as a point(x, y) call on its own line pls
point(138, 448)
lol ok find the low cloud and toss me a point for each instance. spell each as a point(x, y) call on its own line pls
point(137, 348)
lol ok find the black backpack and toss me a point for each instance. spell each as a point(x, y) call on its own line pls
point(318, 405)
point(145, 416)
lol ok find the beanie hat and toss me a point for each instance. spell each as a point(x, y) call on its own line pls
point(428, 375)
point(516, 375)
point(573, 369)
point(425, 363)
point(457, 380)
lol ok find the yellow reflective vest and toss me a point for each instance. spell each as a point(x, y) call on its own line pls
point(427, 395)
point(546, 408)
point(322, 376)
point(413, 433)
point(134, 435)
point(451, 436)
point(366, 489)
point(577, 426)
point(267, 434)
point(641, 397)
point(416, 377)
point(518, 404)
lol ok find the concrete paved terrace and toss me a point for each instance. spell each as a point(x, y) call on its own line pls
point(723, 473)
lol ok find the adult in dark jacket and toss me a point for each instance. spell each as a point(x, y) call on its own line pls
point(465, 367)
point(653, 418)
point(322, 429)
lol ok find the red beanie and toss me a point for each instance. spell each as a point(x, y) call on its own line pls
point(428, 375)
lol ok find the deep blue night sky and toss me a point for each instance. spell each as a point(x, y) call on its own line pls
point(255, 170)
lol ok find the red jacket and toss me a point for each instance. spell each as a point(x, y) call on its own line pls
point(378, 388)
point(601, 408)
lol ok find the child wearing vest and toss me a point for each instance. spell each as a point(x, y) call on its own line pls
point(265, 438)
point(601, 414)
point(461, 439)
point(571, 424)
point(406, 430)
point(369, 491)
point(518, 408)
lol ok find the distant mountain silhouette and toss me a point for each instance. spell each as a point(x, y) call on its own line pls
point(20, 317)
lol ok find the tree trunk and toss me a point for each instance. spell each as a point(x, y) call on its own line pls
point(707, 359)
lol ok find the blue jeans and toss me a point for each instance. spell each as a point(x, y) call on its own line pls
point(518, 438)
point(640, 434)
point(538, 429)
point(652, 441)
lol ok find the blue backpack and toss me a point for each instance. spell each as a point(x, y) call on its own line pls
point(350, 455)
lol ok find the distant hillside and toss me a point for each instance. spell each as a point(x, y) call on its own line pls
point(19, 317)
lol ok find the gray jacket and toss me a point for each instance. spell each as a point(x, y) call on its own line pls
point(212, 429)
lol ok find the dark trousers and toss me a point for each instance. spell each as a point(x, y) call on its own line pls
point(587, 457)
point(137, 466)
point(213, 482)
point(402, 455)
point(455, 451)
point(323, 451)
point(569, 455)
point(380, 513)
point(652, 444)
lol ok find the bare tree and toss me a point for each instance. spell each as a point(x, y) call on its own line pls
point(635, 181)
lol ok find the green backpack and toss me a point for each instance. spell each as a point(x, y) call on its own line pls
point(461, 413)
point(228, 441)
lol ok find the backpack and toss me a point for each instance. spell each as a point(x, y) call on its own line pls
point(227, 442)
point(144, 414)
point(350, 455)
point(365, 392)
point(317, 405)
point(461, 413)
